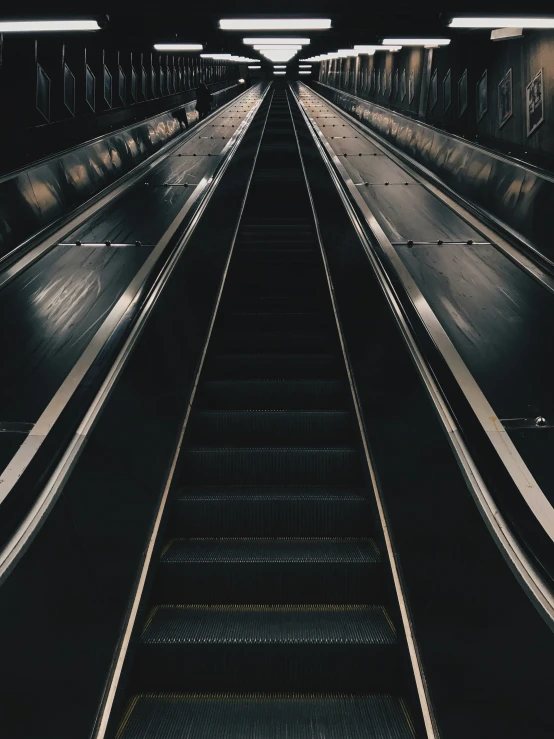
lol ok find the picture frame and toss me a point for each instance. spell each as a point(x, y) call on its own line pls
point(505, 99)
point(434, 89)
point(482, 93)
point(389, 83)
point(462, 94)
point(403, 85)
point(535, 103)
point(447, 90)
point(396, 84)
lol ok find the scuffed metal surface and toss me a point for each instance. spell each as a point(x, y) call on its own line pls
point(521, 197)
point(33, 199)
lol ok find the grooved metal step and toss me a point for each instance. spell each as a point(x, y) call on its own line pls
point(272, 465)
point(275, 394)
point(266, 510)
point(273, 571)
point(268, 365)
point(266, 717)
point(268, 648)
point(272, 427)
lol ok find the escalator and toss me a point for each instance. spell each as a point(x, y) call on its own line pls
point(272, 612)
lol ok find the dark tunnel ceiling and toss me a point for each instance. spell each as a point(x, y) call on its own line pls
point(144, 22)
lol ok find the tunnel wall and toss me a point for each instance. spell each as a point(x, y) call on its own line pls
point(56, 93)
point(379, 78)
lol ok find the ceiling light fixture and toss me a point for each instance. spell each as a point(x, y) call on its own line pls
point(252, 41)
point(35, 26)
point(348, 52)
point(178, 47)
point(215, 56)
point(372, 48)
point(501, 22)
point(416, 41)
point(274, 24)
point(254, 66)
point(303, 72)
point(281, 47)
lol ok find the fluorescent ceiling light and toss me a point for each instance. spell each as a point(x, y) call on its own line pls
point(506, 34)
point(274, 24)
point(254, 66)
point(501, 22)
point(266, 40)
point(371, 48)
point(304, 66)
point(277, 47)
point(34, 26)
point(279, 66)
point(178, 47)
point(348, 52)
point(215, 56)
point(301, 72)
point(277, 72)
point(416, 41)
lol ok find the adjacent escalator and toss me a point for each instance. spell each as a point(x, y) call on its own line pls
point(272, 612)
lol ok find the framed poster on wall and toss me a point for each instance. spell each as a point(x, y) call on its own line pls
point(434, 89)
point(403, 85)
point(389, 85)
point(395, 91)
point(482, 96)
point(535, 103)
point(462, 93)
point(411, 87)
point(505, 111)
point(447, 90)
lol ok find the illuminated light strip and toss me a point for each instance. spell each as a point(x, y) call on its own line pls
point(416, 41)
point(39, 26)
point(372, 48)
point(178, 47)
point(501, 22)
point(253, 41)
point(274, 24)
point(277, 47)
point(254, 66)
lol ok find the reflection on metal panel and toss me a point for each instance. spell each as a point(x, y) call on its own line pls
point(519, 196)
point(32, 199)
point(43, 93)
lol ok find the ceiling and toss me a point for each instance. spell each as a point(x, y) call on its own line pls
point(144, 22)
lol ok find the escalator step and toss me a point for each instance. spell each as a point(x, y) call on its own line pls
point(268, 649)
point(279, 321)
point(270, 571)
point(233, 716)
point(275, 341)
point(273, 395)
point(273, 427)
point(274, 366)
point(265, 510)
point(272, 465)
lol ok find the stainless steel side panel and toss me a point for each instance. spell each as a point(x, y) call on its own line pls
point(521, 197)
point(32, 199)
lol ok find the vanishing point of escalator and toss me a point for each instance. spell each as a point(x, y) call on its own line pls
point(269, 614)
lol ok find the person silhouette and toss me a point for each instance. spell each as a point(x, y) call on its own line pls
point(203, 101)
